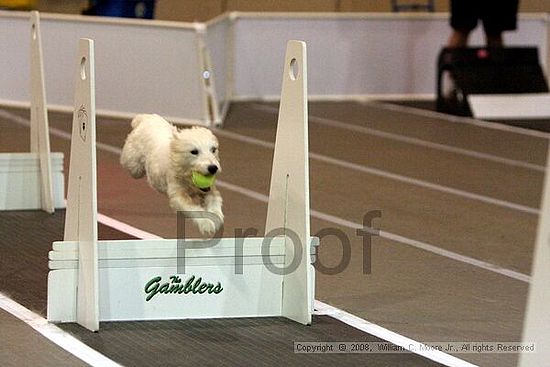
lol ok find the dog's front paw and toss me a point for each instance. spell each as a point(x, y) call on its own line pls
point(207, 226)
point(219, 215)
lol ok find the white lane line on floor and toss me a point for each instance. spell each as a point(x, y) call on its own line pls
point(55, 334)
point(319, 157)
point(53, 130)
point(388, 175)
point(460, 119)
point(327, 217)
point(388, 335)
point(126, 228)
point(390, 236)
point(341, 315)
point(410, 140)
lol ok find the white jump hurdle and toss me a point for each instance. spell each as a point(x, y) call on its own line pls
point(28, 180)
point(92, 281)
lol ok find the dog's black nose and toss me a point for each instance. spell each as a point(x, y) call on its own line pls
point(212, 169)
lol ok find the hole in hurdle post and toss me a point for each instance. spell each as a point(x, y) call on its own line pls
point(83, 68)
point(293, 70)
point(33, 31)
point(206, 77)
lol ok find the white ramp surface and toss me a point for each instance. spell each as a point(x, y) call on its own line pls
point(510, 106)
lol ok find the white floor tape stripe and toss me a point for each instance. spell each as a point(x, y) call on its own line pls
point(391, 236)
point(55, 334)
point(337, 162)
point(388, 335)
point(462, 120)
point(53, 131)
point(126, 228)
point(389, 175)
point(411, 140)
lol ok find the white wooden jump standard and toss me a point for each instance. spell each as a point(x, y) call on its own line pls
point(26, 180)
point(40, 142)
point(81, 214)
point(288, 205)
point(91, 281)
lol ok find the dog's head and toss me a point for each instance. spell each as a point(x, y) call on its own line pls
point(195, 149)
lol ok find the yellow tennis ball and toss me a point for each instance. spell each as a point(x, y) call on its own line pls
point(203, 181)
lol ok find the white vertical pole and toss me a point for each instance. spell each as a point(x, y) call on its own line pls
point(40, 139)
point(207, 77)
point(230, 64)
point(207, 116)
point(536, 327)
point(288, 205)
point(81, 215)
point(210, 99)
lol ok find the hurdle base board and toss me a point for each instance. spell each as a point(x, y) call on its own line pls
point(122, 296)
point(510, 106)
point(126, 267)
point(20, 181)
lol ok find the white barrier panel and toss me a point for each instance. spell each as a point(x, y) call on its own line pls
point(510, 106)
point(20, 181)
point(143, 66)
point(143, 62)
point(355, 54)
point(91, 281)
point(27, 180)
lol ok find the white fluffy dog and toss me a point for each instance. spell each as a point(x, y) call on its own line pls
point(169, 156)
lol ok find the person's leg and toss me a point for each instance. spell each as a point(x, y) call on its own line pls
point(464, 17)
point(494, 39)
point(458, 39)
point(498, 19)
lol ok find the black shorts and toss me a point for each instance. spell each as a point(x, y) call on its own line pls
point(497, 16)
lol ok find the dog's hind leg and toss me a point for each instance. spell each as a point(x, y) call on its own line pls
point(132, 160)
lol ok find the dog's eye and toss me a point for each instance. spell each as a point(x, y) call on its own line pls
point(195, 152)
point(213, 149)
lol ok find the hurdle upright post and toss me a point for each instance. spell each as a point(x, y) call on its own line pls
point(288, 206)
point(40, 141)
point(81, 214)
